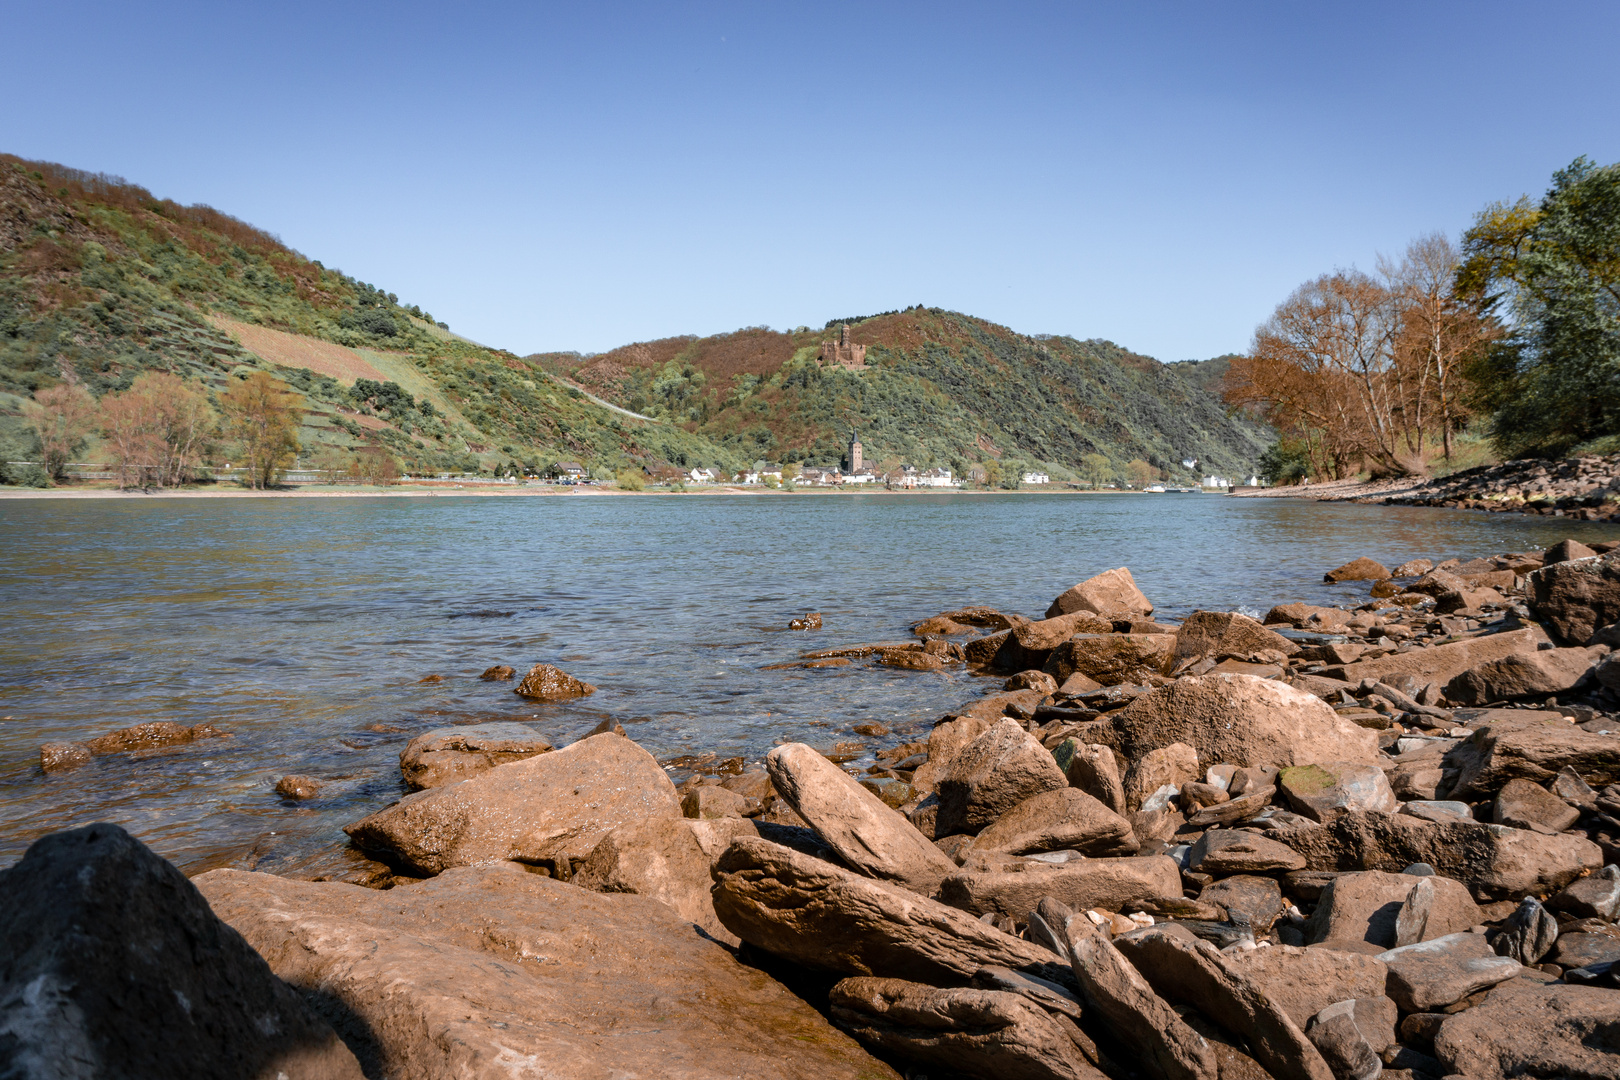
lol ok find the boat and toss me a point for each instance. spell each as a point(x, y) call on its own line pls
point(1154, 489)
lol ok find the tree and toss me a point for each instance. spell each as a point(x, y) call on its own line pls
point(630, 480)
point(63, 417)
point(156, 429)
point(992, 473)
point(1285, 462)
point(1097, 468)
point(1139, 473)
point(261, 416)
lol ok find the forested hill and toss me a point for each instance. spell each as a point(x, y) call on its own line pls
point(101, 280)
point(939, 388)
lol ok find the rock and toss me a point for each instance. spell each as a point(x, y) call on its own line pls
point(547, 683)
point(1535, 749)
point(1440, 663)
point(1240, 720)
point(944, 743)
point(1064, 818)
point(1196, 795)
point(1595, 897)
point(1111, 659)
point(112, 964)
point(991, 775)
point(1412, 568)
point(1493, 861)
point(489, 971)
point(609, 726)
point(982, 651)
point(1345, 1051)
point(498, 673)
point(1434, 974)
point(1528, 934)
point(668, 860)
point(1111, 594)
point(57, 756)
point(1575, 599)
point(452, 754)
point(940, 626)
point(711, 801)
point(1549, 671)
point(1032, 680)
point(1306, 617)
point(159, 733)
point(1326, 790)
point(298, 787)
point(1080, 683)
point(1259, 899)
point(1221, 634)
point(1578, 949)
point(1362, 569)
point(548, 809)
point(1196, 974)
point(1525, 805)
point(911, 660)
point(1524, 1030)
point(1085, 884)
point(1238, 851)
point(1412, 920)
point(1303, 982)
point(1366, 906)
point(828, 918)
point(868, 835)
point(1564, 551)
point(811, 621)
point(1171, 765)
point(1092, 769)
point(1233, 811)
point(1030, 645)
point(989, 1034)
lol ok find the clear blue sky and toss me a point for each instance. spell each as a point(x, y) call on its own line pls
point(578, 176)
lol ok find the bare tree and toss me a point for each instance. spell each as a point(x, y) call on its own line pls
point(261, 415)
point(63, 417)
point(156, 429)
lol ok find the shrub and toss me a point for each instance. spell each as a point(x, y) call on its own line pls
point(630, 480)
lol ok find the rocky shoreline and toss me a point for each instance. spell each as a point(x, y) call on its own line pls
point(1329, 844)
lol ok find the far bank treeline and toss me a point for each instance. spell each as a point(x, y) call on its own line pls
point(102, 282)
point(1513, 337)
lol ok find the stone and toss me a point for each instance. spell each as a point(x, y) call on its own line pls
point(1366, 906)
point(1196, 795)
point(1528, 934)
point(1594, 897)
point(1412, 568)
point(808, 621)
point(1111, 594)
point(1573, 600)
point(1524, 1030)
point(1323, 791)
point(1030, 645)
point(57, 756)
point(1303, 982)
point(1234, 811)
point(1241, 720)
point(451, 754)
point(112, 964)
point(1531, 674)
point(1195, 973)
point(499, 673)
point(1564, 551)
point(1221, 634)
point(1111, 659)
point(828, 918)
point(1345, 1051)
point(1580, 949)
point(488, 971)
point(981, 651)
point(1412, 920)
point(1084, 884)
point(1537, 748)
point(1032, 680)
point(989, 1034)
point(1171, 765)
point(1259, 899)
point(945, 741)
point(298, 787)
point(1064, 818)
point(1362, 569)
point(668, 860)
point(991, 775)
point(1077, 684)
point(1438, 810)
point(549, 809)
point(1094, 770)
point(1492, 861)
point(1442, 971)
point(1238, 851)
point(1306, 617)
point(868, 835)
point(709, 801)
point(547, 683)
point(152, 736)
point(1525, 805)
point(1440, 663)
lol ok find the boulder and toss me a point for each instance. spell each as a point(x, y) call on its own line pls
point(1172, 765)
point(668, 860)
point(152, 736)
point(1412, 568)
point(1578, 949)
point(1523, 1029)
point(549, 809)
point(1440, 663)
point(824, 917)
point(1564, 551)
point(1325, 790)
point(1362, 569)
point(945, 741)
point(1240, 720)
point(1347, 1053)
point(1063, 818)
point(1032, 680)
point(1366, 906)
point(1111, 659)
point(981, 651)
point(112, 964)
point(1303, 982)
point(988, 1034)
point(1528, 934)
point(1594, 897)
point(1536, 749)
point(711, 801)
point(1259, 899)
point(547, 683)
point(1030, 645)
point(1307, 617)
point(452, 754)
point(868, 835)
point(1111, 594)
point(1573, 600)
point(498, 673)
point(1433, 974)
point(1529, 674)
point(1525, 805)
point(991, 775)
point(1238, 851)
point(1094, 770)
point(1083, 884)
point(1221, 634)
point(488, 971)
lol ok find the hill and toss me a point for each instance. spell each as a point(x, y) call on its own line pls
point(101, 280)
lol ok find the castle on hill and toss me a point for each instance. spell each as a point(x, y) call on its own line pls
point(843, 352)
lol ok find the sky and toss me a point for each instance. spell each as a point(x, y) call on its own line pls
point(580, 176)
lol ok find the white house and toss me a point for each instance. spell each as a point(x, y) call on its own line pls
point(864, 476)
point(702, 476)
point(820, 477)
point(937, 478)
point(1035, 478)
point(1189, 463)
point(1217, 482)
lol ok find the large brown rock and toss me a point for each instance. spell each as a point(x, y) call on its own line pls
point(945, 741)
point(1303, 982)
point(547, 683)
point(1061, 819)
point(1030, 645)
point(1094, 770)
point(869, 836)
point(1111, 659)
point(112, 964)
point(1239, 851)
point(1529, 674)
point(1307, 616)
point(1172, 765)
point(1440, 663)
point(1220, 634)
point(1111, 594)
point(1240, 720)
point(1524, 805)
point(550, 809)
point(1434, 974)
point(991, 775)
point(1524, 1030)
point(449, 755)
point(489, 972)
point(1103, 884)
point(1365, 906)
point(1574, 600)
point(1323, 791)
point(1534, 749)
point(1362, 569)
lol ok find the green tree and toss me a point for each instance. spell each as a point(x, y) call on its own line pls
point(1097, 468)
point(1286, 461)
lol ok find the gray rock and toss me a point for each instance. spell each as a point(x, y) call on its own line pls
point(1528, 934)
point(991, 775)
point(1347, 1052)
point(1429, 976)
point(451, 754)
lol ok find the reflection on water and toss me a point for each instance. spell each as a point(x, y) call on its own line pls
point(304, 627)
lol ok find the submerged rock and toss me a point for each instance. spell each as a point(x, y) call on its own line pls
point(547, 683)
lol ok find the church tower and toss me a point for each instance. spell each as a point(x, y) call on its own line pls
point(854, 451)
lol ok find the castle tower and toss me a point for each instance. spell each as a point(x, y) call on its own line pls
point(854, 444)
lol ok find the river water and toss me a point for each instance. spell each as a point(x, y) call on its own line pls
point(303, 627)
